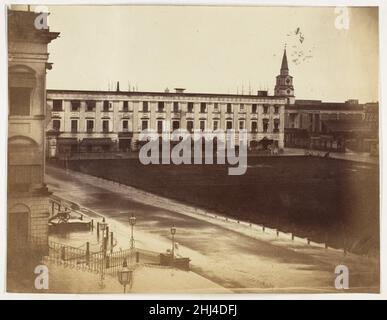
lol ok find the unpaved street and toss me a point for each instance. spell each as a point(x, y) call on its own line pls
point(225, 253)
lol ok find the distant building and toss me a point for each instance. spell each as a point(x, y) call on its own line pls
point(314, 124)
point(27, 192)
point(372, 119)
point(111, 121)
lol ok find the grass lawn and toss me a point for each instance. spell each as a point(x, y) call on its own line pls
point(324, 199)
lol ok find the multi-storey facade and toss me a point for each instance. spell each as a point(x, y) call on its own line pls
point(112, 121)
point(95, 121)
point(27, 193)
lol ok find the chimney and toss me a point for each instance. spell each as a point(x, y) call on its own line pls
point(179, 90)
point(262, 93)
point(118, 86)
point(352, 101)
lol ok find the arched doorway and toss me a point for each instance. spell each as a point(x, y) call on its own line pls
point(21, 85)
point(25, 165)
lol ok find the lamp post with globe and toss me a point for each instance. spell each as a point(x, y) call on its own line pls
point(125, 275)
point(132, 222)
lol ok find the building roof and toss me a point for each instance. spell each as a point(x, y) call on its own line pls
point(155, 93)
point(319, 105)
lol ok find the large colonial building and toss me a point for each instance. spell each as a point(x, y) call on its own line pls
point(95, 121)
point(111, 121)
point(27, 194)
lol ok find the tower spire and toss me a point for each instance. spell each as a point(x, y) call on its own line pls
point(284, 81)
point(284, 64)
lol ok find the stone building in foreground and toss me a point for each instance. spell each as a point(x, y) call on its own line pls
point(27, 193)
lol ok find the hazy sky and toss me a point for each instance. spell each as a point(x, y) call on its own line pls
point(215, 49)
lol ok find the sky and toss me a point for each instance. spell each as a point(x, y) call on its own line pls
point(215, 49)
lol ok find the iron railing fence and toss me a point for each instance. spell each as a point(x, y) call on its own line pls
point(97, 262)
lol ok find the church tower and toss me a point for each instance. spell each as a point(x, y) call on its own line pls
point(284, 84)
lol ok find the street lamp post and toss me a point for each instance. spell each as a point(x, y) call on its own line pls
point(132, 222)
point(173, 232)
point(103, 226)
point(125, 275)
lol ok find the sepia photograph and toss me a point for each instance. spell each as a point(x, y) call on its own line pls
point(192, 149)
